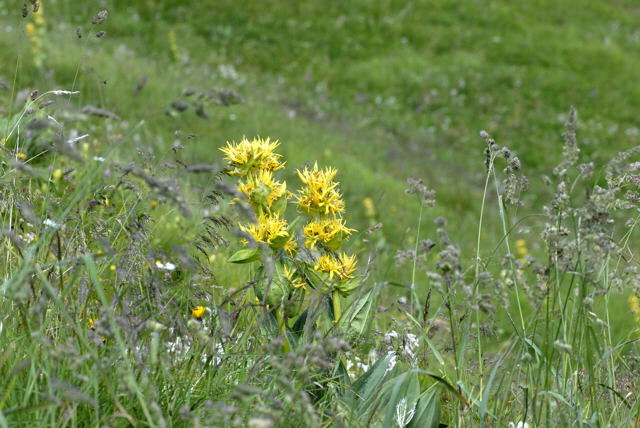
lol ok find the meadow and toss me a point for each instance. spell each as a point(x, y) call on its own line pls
point(294, 213)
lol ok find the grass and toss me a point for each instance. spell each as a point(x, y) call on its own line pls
point(383, 91)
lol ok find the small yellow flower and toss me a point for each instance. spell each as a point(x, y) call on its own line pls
point(198, 312)
point(112, 268)
point(294, 280)
point(21, 156)
point(173, 44)
point(57, 174)
point(634, 306)
point(521, 250)
point(91, 324)
point(212, 258)
point(291, 247)
point(31, 29)
point(369, 209)
point(153, 204)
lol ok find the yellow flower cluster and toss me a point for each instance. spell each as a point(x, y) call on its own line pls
point(272, 230)
point(262, 190)
point(342, 267)
point(255, 161)
point(321, 200)
point(329, 230)
point(36, 32)
point(247, 156)
point(320, 193)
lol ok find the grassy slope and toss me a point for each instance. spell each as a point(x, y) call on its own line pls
point(383, 90)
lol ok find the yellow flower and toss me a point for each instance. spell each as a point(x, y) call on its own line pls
point(271, 230)
point(247, 156)
point(634, 305)
point(198, 311)
point(262, 190)
point(173, 44)
point(31, 29)
point(91, 324)
point(112, 268)
point(21, 156)
point(369, 209)
point(57, 174)
point(295, 281)
point(291, 247)
point(342, 267)
point(521, 250)
point(319, 194)
point(329, 231)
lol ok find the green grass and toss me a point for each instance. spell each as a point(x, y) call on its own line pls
point(383, 91)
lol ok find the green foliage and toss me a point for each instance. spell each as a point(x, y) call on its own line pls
point(115, 220)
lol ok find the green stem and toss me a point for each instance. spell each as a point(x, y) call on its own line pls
point(337, 310)
point(282, 323)
point(414, 295)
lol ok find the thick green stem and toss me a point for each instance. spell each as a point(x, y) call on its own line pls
point(282, 323)
point(337, 310)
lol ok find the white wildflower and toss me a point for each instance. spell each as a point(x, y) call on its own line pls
point(29, 237)
point(50, 223)
point(165, 266)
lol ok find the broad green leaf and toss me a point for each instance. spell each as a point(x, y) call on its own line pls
point(247, 255)
point(370, 380)
point(298, 326)
point(427, 413)
point(401, 404)
point(356, 320)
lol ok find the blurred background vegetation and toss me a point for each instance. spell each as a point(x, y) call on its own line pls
point(383, 90)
